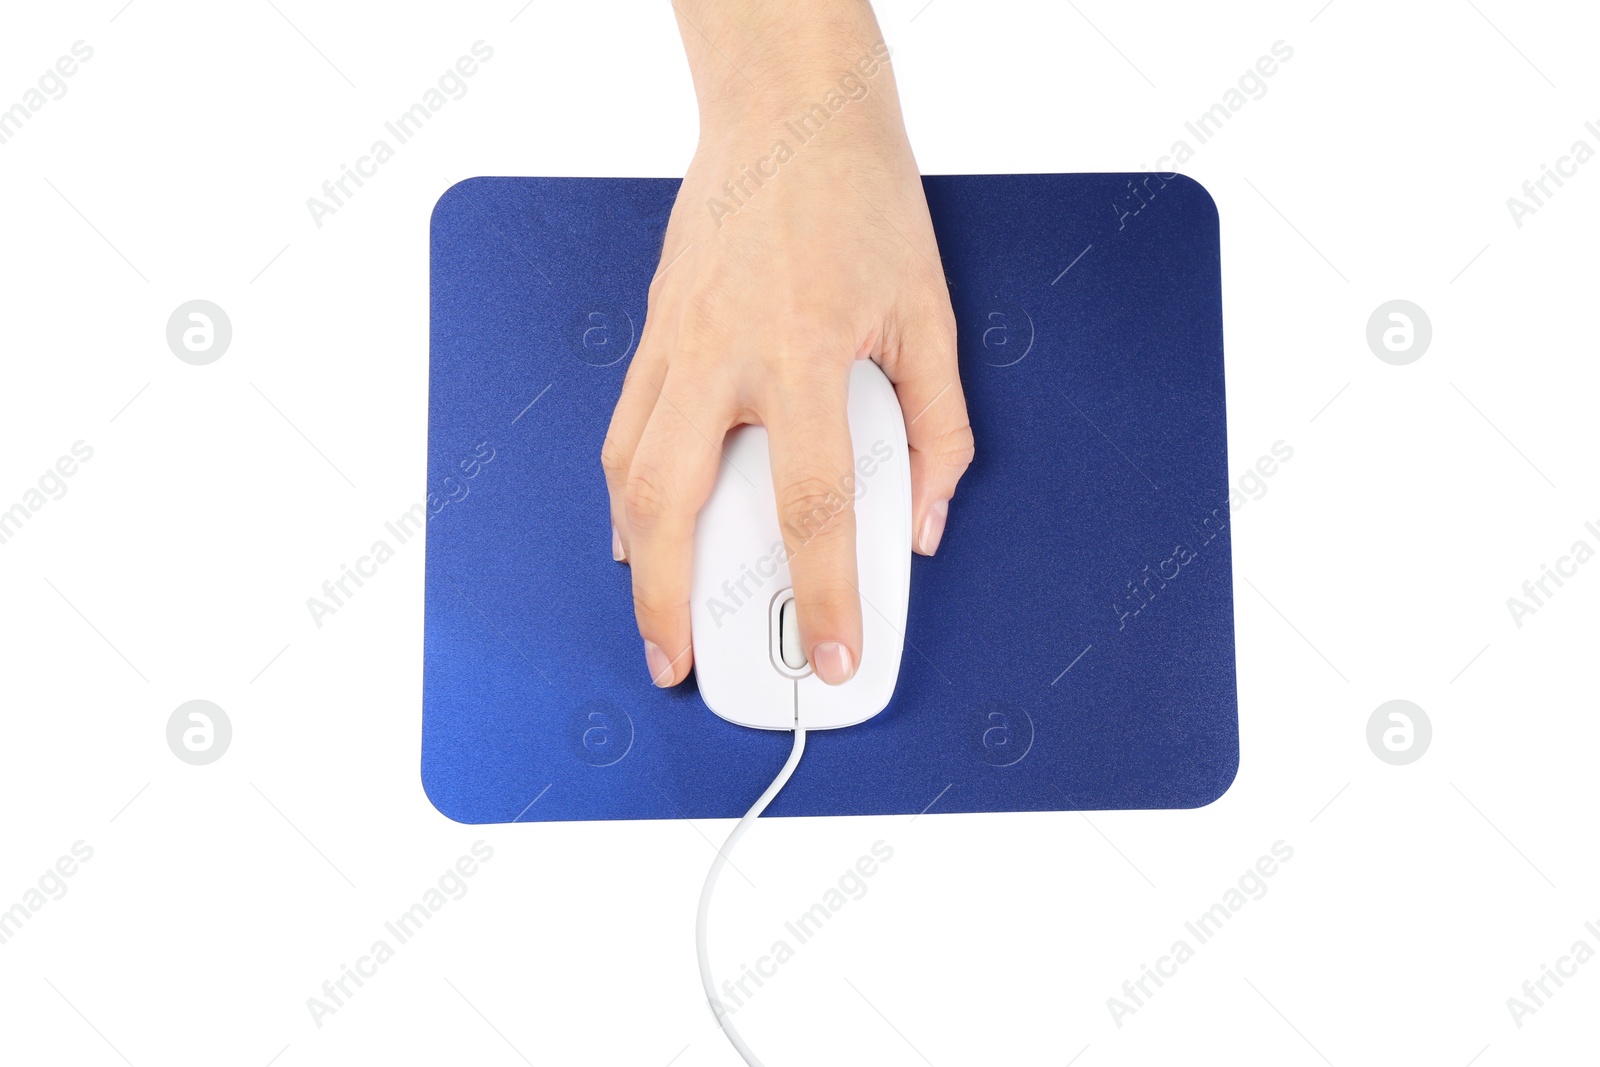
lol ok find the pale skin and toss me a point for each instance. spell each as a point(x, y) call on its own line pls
point(758, 309)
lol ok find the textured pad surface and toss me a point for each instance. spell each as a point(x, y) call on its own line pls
point(1071, 646)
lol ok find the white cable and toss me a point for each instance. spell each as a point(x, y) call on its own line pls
point(717, 864)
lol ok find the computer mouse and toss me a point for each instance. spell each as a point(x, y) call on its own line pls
point(749, 662)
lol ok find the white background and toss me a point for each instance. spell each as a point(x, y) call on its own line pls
point(1377, 566)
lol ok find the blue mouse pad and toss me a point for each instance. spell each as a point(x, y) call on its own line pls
point(1071, 645)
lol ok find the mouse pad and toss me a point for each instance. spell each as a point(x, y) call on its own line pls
point(1070, 647)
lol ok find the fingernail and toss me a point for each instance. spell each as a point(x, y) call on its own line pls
point(933, 527)
point(616, 546)
point(832, 663)
point(660, 666)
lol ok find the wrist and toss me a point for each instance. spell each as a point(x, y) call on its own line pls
point(759, 66)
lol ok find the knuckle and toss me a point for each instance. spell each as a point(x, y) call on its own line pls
point(614, 457)
point(827, 599)
point(653, 614)
point(810, 381)
point(645, 496)
point(813, 506)
point(811, 330)
point(701, 313)
point(956, 447)
point(706, 310)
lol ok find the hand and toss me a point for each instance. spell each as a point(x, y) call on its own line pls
point(800, 241)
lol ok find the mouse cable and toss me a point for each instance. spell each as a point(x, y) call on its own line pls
point(717, 1009)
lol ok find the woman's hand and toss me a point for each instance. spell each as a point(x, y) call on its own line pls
point(800, 241)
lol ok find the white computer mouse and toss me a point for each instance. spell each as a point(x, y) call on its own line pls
point(748, 657)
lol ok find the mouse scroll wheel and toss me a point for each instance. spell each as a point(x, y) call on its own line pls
point(789, 637)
